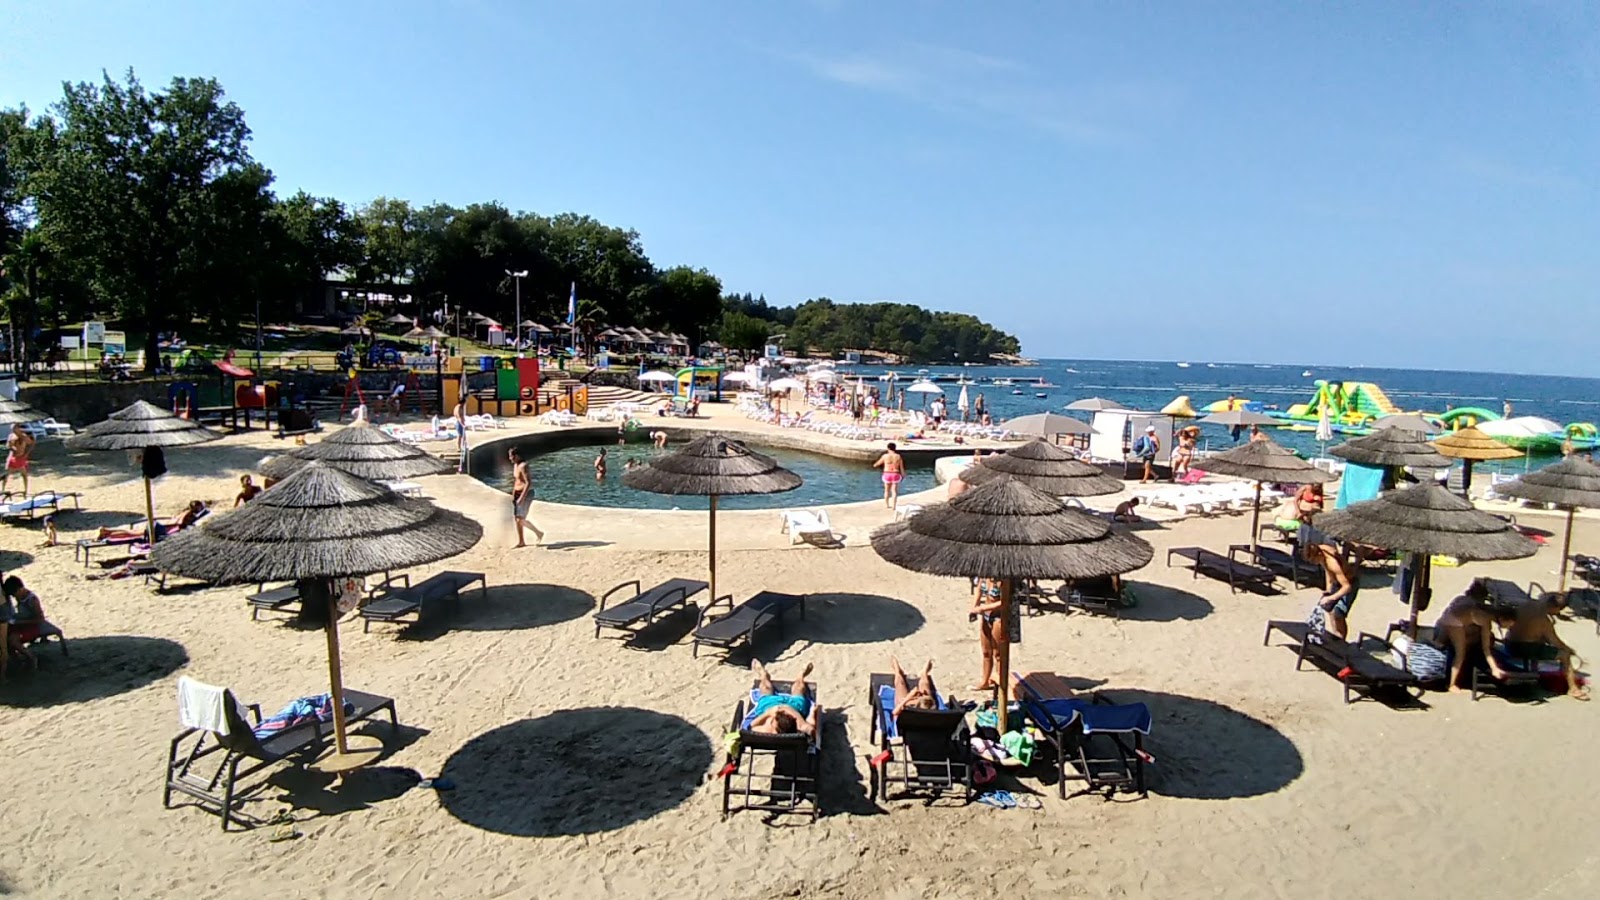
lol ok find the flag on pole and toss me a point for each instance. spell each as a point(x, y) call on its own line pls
point(572, 305)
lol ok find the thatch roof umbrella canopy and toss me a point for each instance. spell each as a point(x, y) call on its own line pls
point(1392, 447)
point(317, 525)
point(362, 451)
point(142, 426)
point(1042, 465)
point(1471, 446)
point(1262, 461)
point(1574, 482)
point(1008, 530)
point(1427, 520)
point(713, 466)
point(15, 412)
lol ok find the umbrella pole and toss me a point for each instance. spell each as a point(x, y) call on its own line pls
point(335, 676)
point(1566, 549)
point(1466, 479)
point(149, 515)
point(1255, 522)
point(1419, 584)
point(1002, 652)
point(713, 547)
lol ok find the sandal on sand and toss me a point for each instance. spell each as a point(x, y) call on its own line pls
point(284, 829)
point(998, 800)
point(1582, 693)
point(1029, 801)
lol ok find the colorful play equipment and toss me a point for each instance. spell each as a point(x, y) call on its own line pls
point(700, 381)
point(1222, 405)
point(1349, 403)
point(498, 387)
point(1181, 408)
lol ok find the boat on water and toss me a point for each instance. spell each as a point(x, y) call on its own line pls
point(1041, 395)
point(1072, 372)
point(1306, 374)
point(1003, 382)
point(1183, 365)
point(1017, 392)
point(1211, 365)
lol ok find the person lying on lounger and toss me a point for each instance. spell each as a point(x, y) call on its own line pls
point(177, 523)
point(776, 713)
point(923, 696)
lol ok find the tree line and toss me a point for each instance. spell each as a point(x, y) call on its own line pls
point(147, 205)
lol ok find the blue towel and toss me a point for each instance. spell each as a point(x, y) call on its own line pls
point(886, 707)
point(300, 712)
point(756, 707)
point(1098, 718)
point(1360, 483)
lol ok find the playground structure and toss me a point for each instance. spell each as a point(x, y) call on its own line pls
point(503, 387)
point(233, 395)
point(700, 381)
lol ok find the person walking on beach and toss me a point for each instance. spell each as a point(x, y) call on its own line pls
point(19, 452)
point(894, 469)
point(1145, 449)
point(522, 498)
point(460, 414)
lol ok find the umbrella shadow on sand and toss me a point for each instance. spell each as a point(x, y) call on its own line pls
point(307, 789)
point(13, 559)
point(835, 618)
point(1205, 750)
point(508, 607)
point(576, 772)
point(96, 667)
point(1160, 603)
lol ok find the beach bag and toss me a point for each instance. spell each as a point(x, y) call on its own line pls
point(1425, 661)
point(1144, 448)
point(1317, 621)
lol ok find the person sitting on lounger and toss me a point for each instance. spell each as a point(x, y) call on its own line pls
point(247, 491)
point(923, 696)
point(177, 523)
point(1464, 633)
point(1530, 633)
point(775, 713)
point(1125, 511)
point(1332, 610)
point(26, 615)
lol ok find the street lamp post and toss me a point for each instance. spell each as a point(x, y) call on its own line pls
point(516, 326)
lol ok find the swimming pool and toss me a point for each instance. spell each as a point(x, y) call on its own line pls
point(566, 475)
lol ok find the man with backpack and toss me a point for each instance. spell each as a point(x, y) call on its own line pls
point(1145, 449)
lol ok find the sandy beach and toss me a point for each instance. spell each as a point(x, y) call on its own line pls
point(584, 765)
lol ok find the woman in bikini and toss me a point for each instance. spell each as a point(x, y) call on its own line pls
point(986, 609)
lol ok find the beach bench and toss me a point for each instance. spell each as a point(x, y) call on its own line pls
point(219, 791)
point(645, 607)
point(1522, 673)
point(789, 780)
point(1213, 564)
point(741, 623)
point(923, 750)
point(1358, 665)
point(1284, 564)
point(435, 597)
point(1102, 741)
point(276, 600)
point(44, 502)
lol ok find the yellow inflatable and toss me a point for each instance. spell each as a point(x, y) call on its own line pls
point(1180, 408)
point(1222, 405)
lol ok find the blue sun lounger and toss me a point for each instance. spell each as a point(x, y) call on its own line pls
point(924, 750)
point(1072, 724)
point(790, 782)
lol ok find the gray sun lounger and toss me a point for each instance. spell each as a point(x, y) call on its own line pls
point(1359, 666)
point(219, 793)
point(275, 600)
point(433, 597)
point(1236, 574)
point(740, 623)
point(645, 607)
point(773, 773)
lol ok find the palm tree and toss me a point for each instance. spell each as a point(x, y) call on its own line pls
point(587, 319)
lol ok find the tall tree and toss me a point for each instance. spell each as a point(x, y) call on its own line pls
point(689, 301)
point(156, 196)
point(310, 237)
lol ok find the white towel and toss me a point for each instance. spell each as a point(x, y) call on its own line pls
point(201, 706)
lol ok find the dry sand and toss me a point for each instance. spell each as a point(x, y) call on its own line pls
point(582, 764)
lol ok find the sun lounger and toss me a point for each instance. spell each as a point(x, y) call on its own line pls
point(923, 750)
point(1360, 666)
point(275, 600)
point(1236, 574)
point(645, 607)
point(740, 623)
point(1300, 572)
point(42, 503)
point(84, 545)
point(433, 598)
point(774, 773)
point(405, 488)
point(47, 427)
point(219, 792)
point(1103, 741)
point(806, 524)
point(1098, 596)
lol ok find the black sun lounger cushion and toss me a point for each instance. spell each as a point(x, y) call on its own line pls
point(747, 618)
point(648, 604)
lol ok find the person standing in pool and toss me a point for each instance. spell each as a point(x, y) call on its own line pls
point(894, 469)
point(600, 466)
point(522, 497)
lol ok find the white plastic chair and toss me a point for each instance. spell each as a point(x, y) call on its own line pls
point(802, 524)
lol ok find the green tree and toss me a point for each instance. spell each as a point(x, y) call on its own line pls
point(738, 331)
point(690, 301)
point(389, 245)
point(311, 236)
point(155, 197)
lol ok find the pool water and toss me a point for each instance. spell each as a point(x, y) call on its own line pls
point(566, 475)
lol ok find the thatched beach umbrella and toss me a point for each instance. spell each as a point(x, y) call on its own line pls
point(362, 451)
point(1262, 461)
point(1041, 464)
point(1471, 445)
point(712, 466)
point(1392, 447)
point(15, 412)
point(1427, 520)
point(144, 427)
point(1008, 530)
point(1571, 483)
point(317, 525)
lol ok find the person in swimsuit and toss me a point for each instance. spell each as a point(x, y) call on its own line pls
point(25, 615)
point(894, 469)
point(1530, 633)
point(1126, 511)
point(522, 498)
point(775, 713)
point(986, 609)
point(1332, 609)
point(247, 491)
point(659, 439)
point(1185, 452)
point(923, 696)
point(600, 466)
point(1464, 632)
point(188, 517)
point(461, 434)
point(19, 452)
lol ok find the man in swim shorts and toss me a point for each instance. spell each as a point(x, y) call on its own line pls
point(775, 713)
point(522, 497)
point(19, 452)
point(894, 469)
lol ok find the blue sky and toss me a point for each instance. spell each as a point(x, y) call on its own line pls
point(1269, 182)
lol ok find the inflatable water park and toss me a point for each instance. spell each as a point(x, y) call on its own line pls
point(1354, 408)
